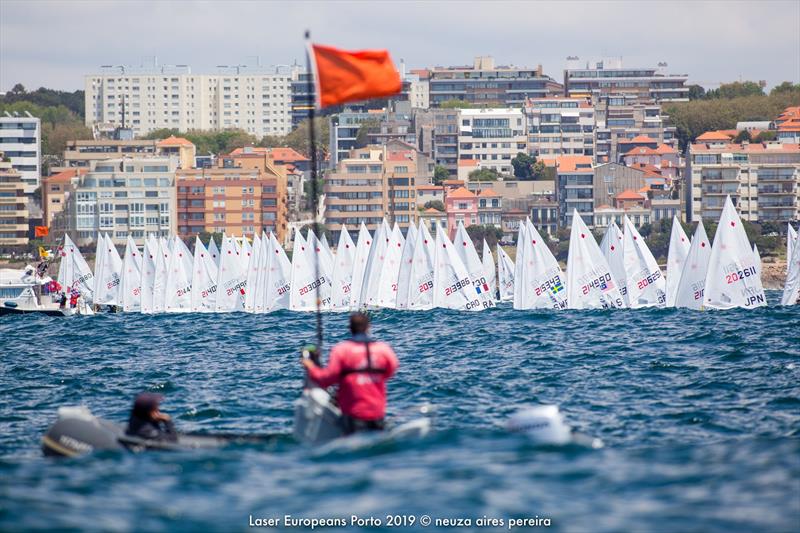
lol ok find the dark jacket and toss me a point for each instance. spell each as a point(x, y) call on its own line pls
point(144, 428)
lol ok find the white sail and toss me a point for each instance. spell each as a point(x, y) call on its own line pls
point(131, 291)
point(160, 282)
point(245, 253)
point(541, 281)
point(758, 259)
point(522, 237)
point(149, 274)
point(676, 257)
point(204, 279)
point(178, 297)
point(343, 272)
point(258, 285)
point(644, 280)
point(420, 291)
point(695, 268)
point(74, 272)
point(611, 247)
point(791, 242)
point(404, 281)
point(231, 279)
point(107, 273)
point(489, 269)
point(733, 279)
point(213, 251)
point(279, 276)
point(386, 290)
point(465, 249)
point(363, 245)
point(590, 284)
point(253, 268)
point(100, 252)
point(505, 275)
point(375, 263)
point(304, 281)
point(322, 259)
point(452, 288)
point(791, 290)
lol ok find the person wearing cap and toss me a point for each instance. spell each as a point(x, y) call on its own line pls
point(148, 422)
point(360, 367)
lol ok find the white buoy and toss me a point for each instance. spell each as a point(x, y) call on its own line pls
point(543, 423)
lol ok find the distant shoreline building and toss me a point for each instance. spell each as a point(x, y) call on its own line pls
point(21, 142)
point(13, 206)
point(608, 77)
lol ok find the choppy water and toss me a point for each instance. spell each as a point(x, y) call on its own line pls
point(699, 413)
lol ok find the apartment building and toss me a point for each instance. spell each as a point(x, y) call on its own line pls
point(492, 136)
point(490, 208)
point(419, 90)
point(344, 129)
point(560, 126)
point(122, 197)
point(243, 195)
point(373, 183)
point(608, 77)
point(13, 206)
point(622, 118)
point(303, 97)
point(56, 188)
point(81, 153)
point(763, 180)
point(485, 84)
point(436, 132)
point(575, 188)
point(461, 205)
point(254, 99)
point(21, 142)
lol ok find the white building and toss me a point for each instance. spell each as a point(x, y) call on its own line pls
point(145, 99)
point(419, 91)
point(559, 126)
point(129, 196)
point(21, 142)
point(492, 136)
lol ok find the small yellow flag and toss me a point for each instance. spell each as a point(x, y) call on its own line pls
point(44, 254)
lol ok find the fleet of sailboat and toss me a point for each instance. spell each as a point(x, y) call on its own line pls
point(421, 271)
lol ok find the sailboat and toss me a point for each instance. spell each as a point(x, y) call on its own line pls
point(676, 257)
point(791, 243)
point(74, 272)
point(452, 287)
point(343, 271)
point(149, 273)
point(643, 278)
point(131, 292)
point(108, 273)
point(322, 258)
point(374, 266)
point(231, 280)
point(469, 257)
point(692, 282)
point(590, 284)
point(420, 291)
point(791, 290)
point(253, 268)
point(489, 269)
point(386, 290)
point(611, 247)
point(540, 282)
point(279, 277)
point(505, 275)
point(360, 265)
point(160, 280)
point(404, 281)
point(178, 294)
point(204, 279)
point(213, 251)
point(733, 279)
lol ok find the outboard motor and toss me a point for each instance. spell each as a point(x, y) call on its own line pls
point(316, 418)
point(77, 431)
point(543, 423)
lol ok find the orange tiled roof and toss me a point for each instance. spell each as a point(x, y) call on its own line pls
point(641, 150)
point(629, 195)
point(570, 163)
point(453, 182)
point(488, 193)
point(430, 188)
point(433, 211)
point(639, 139)
point(758, 148)
point(713, 136)
point(65, 175)
point(666, 149)
point(468, 162)
point(400, 156)
point(461, 192)
point(174, 141)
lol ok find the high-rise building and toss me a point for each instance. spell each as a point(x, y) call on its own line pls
point(373, 183)
point(21, 142)
point(302, 97)
point(575, 188)
point(619, 119)
point(344, 129)
point(762, 179)
point(122, 197)
point(437, 136)
point(560, 126)
point(492, 136)
point(484, 84)
point(253, 99)
point(13, 206)
point(243, 195)
point(609, 77)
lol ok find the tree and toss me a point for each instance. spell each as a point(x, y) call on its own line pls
point(323, 230)
point(455, 104)
point(742, 136)
point(765, 136)
point(440, 174)
point(478, 233)
point(484, 174)
point(435, 204)
point(523, 166)
point(366, 127)
point(736, 89)
point(784, 88)
point(696, 92)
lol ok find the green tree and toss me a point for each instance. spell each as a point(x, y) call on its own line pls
point(742, 136)
point(455, 104)
point(736, 89)
point(484, 174)
point(478, 233)
point(440, 174)
point(523, 166)
point(785, 87)
point(765, 136)
point(696, 92)
point(435, 204)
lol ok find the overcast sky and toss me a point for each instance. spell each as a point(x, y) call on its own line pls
point(56, 43)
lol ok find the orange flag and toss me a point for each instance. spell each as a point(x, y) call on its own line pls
point(344, 76)
point(41, 231)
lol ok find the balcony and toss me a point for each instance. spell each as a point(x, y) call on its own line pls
point(779, 190)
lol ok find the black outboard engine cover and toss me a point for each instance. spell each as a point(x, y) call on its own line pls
point(77, 431)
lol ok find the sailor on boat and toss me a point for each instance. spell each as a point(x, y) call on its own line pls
point(148, 422)
point(360, 367)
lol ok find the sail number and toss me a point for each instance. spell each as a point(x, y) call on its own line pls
point(733, 277)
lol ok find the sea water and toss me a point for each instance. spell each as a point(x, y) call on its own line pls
point(699, 413)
